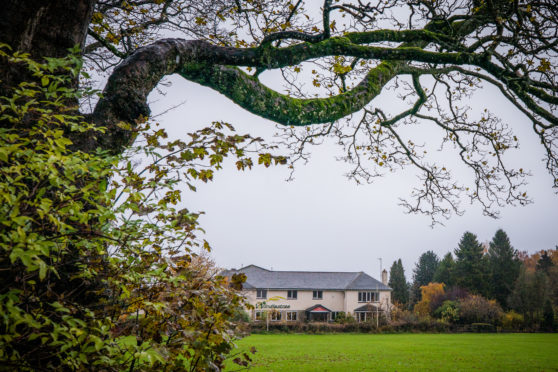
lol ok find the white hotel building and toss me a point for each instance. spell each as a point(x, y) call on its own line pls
point(313, 296)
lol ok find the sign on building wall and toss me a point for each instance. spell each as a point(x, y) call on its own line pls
point(263, 305)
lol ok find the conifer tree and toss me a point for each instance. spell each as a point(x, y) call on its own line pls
point(444, 273)
point(398, 283)
point(470, 270)
point(544, 263)
point(503, 267)
point(423, 273)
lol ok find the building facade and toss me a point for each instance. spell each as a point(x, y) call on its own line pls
point(288, 296)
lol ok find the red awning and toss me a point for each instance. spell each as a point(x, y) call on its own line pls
point(319, 309)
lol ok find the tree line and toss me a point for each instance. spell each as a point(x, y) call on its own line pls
point(483, 280)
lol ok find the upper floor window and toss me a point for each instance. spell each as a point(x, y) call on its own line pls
point(292, 295)
point(368, 296)
point(261, 293)
point(317, 295)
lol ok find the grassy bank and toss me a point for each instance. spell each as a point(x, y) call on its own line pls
point(404, 352)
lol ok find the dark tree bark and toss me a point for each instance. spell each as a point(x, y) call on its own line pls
point(42, 29)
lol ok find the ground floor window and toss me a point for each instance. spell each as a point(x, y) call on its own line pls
point(276, 316)
point(362, 316)
point(260, 315)
point(292, 315)
point(335, 314)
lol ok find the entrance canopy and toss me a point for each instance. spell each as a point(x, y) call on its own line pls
point(318, 309)
point(368, 308)
point(318, 313)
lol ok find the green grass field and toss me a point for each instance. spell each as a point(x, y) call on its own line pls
point(404, 352)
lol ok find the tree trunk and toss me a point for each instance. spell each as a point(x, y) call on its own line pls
point(42, 28)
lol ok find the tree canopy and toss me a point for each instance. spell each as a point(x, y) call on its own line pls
point(470, 268)
point(444, 273)
point(503, 267)
point(398, 283)
point(434, 55)
point(423, 273)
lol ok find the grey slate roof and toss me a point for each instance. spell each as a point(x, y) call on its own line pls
point(258, 277)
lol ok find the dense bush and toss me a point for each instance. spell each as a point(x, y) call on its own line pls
point(343, 318)
point(454, 294)
point(477, 309)
point(448, 312)
point(512, 321)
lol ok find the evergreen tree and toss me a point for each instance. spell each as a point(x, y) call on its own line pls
point(423, 273)
point(548, 316)
point(503, 267)
point(444, 273)
point(470, 267)
point(544, 263)
point(398, 283)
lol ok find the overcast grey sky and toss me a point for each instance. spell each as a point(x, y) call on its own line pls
point(322, 221)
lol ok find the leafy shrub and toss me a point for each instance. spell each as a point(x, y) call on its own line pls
point(477, 309)
point(241, 316)
point(344, 318)
point(512, 321)
point(448, 312)
point(452, 294)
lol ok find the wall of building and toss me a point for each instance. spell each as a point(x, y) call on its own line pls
point(346, 301)
point(351, 300)
point(333, 300)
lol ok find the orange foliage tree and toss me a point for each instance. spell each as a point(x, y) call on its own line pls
point(428, 292)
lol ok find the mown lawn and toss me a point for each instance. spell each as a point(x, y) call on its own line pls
point(403, 352)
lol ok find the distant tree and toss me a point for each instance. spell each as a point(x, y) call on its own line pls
point(503, 267)
point(444, 272)
point(530, 292)
point(398, 283)
point(470, 267)
point(544, 263)
point(423, 273)
point(548, 316)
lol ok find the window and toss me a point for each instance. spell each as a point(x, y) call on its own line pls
point(292, 316)
point(368, 296)
point(275, 316)
point(291, 295)
point(317, 295)
point(361, 316)
point(260, 315)
point(334, 315)
point(261, 293)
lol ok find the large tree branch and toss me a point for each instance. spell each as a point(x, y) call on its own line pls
point(213, 66)
point(124, 98)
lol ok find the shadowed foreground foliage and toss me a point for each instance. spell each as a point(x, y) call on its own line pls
point(99, 265)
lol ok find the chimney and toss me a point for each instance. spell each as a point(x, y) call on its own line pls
point(384, 277)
